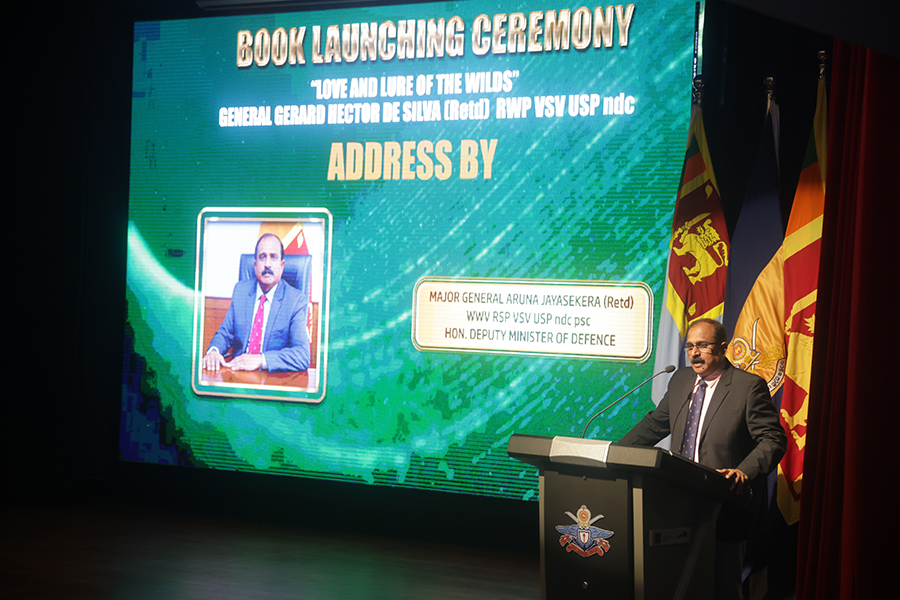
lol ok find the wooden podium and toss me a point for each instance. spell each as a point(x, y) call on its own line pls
point(622, 522)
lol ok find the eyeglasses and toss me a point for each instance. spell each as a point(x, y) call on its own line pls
point(701, 346)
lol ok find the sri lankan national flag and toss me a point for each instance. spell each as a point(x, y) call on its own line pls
point(802, 243)
point(698, 253)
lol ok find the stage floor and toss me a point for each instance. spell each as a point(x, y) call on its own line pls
point(119, 551)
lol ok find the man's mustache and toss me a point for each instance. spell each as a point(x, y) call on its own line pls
point(267, 271)
point(696, 360)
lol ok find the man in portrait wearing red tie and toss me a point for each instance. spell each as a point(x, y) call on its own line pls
point(723, 418)
point(265, 327)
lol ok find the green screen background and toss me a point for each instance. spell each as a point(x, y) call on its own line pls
point(573, 198)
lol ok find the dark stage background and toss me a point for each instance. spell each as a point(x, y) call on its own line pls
point(70, 115)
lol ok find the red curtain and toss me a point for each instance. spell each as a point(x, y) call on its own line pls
point(850, 511)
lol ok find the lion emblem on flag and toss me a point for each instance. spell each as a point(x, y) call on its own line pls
point(703, 243)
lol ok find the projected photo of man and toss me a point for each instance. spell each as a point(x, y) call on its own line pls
point(265, 327)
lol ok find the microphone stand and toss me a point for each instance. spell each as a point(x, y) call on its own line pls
point(668, 369)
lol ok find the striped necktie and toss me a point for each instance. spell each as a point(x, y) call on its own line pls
point(692, 427)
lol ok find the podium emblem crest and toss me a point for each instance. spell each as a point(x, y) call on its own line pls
point(583, 538)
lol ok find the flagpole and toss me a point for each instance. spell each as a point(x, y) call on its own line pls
point(772, 109)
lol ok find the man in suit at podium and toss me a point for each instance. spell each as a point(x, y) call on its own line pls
point(723, 418)
point(265, 327)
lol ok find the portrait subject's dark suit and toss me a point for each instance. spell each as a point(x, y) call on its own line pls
point(286, 342)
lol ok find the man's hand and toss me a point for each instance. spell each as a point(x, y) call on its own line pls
point(246, 362)
point(737, 477)
point(213, 361)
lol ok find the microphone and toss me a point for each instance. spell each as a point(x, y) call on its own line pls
point(668, 369)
